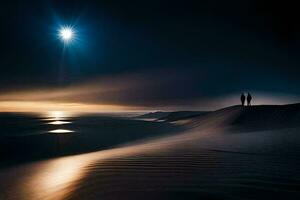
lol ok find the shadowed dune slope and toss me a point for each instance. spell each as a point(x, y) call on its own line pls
point(260, 117)
point(181, 115)
point(209, 161)
point(172, 116)
point(268, 117)
point(153, 115)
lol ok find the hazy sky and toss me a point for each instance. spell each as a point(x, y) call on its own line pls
point(150, 54)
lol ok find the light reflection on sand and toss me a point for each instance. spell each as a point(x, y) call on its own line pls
point(55, 178)
point(59, 122)
point(184, 162)
point(59, 178)
point(61, 131)
point(58, 118)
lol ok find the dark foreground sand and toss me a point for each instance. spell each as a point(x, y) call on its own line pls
point(219, 157)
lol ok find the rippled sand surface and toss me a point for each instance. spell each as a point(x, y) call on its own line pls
point(168, 173)
point(206, 162)
point(194, 174)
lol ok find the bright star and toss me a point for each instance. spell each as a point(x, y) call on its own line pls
point(66, 34)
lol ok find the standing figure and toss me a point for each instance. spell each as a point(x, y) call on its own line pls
point(249, 98)
point(243, 99)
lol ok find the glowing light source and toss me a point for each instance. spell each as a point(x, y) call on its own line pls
point(66, 34)
point(57, 114)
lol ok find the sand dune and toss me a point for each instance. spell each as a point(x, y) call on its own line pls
point(228, 154)
point(171, 116)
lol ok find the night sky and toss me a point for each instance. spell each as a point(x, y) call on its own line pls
point(150, 53)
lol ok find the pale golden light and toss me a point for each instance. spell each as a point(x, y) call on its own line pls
point(67, 108)
point(55, 179)
point(59, 122)
point(57, 114)
point(99, 95)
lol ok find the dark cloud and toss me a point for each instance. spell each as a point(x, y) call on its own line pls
point(147, 90)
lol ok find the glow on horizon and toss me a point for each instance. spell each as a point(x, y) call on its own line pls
point(64, 108)
point(58, 117)
point(57, 114)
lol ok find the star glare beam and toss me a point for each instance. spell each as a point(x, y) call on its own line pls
point(66, 34)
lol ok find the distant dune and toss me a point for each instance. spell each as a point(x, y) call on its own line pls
point(172, 116)
point(232, 153)
point(153, 115)
point(182, 115)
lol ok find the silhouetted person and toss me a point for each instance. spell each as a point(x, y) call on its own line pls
point(249, 98)
point(243, 99)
